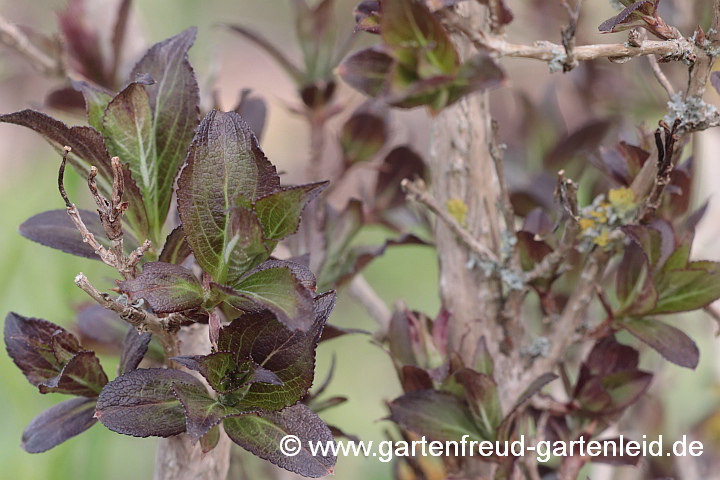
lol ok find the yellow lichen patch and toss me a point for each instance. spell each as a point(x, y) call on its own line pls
point(599, 216)
point(458, 210)
point(586, 224)
point(622, 199)
point(603, 239)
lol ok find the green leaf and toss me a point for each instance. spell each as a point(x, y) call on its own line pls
point(59, 423)
point(290, 355)
point(166, 287)
point(82, 375)
point(688, 289)
point(280, 212)
point(225, 374)
point(96, 101)
point(142, 403)
point(260, 434)
point(667, 340)
point(174, 101)
point(224, 162)
point(634, 285)
point(416, 38)
point(340, 230)
point(202, 412)
point(275, 288)
point(210, 440)
point(482, 395)
point(88, 149)
point(437, 415)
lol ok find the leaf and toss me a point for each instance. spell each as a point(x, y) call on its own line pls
point(59, 423)
point(224, 162)
point(635, 289)
point(531, 251)
point(687, 289)
point(82, 44)
point(174, 100)
point(416, 39)
point(166, 287)
point(176, 249)
point(362, 136)
point(482, 395)
point(587, 138)
point(30, 342)
point(96, 101)
point(667, 340)
point(226, 374)
point(135, 346)
point(274, 288)
point(315, 30)
point(632, 16)
point(367, 71)
point(298, 76)
point(401, 163)
point(253, 110)
point(260, 434)
point(438, 415)
point(614, 392)
point(202, 412)
point(290, 355)
point(210, 440)
point(55, 229)
point(141, 403)
point(367, 16)
point(280, 212)
point(88, 148)
point(82, 375)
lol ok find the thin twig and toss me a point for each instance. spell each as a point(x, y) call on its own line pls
point(362, 291)
point(143, 320)
point(715, 314)
point(660, 76)
point(569, 35)
point(13, 37)
point(416, 191)
point(665, 166)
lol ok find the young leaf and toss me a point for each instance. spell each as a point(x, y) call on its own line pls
point(96, 101)
point(482, 395)
point(634, 286)
point(83, 43)
point(416, 39)
point(367, 71)
point(141, 403)
point(290, 355)
point(275, 288)
point(402, 162)
point(437, 415)
point(30, 343)
point(88, 149)
point(667, 340)
point(176, 249)
point(166, 287)
point(688, 289)
point(224, 162)
point(202, 412)
point(217, 368)
point(210, 440)
point(135, 346)
point(367, 16)
point(280, 212)
point(614, 392)
point(55, 229)
point(59, 423)
point(261, 433)
point(174, 101)
point(363, 135)
point(253, 110)
point(82, 375)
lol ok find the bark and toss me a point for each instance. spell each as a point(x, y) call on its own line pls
point(462, 167)
point(176, 457)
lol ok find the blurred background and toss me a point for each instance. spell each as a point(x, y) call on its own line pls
point(534, 111)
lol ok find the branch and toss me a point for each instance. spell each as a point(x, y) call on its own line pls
point(660, 76)
point(674, 49)
point(13, 37)
point(164, 328)
point(417, 192)
point(664, 168)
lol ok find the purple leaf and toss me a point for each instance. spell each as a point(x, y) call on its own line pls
point(667, 340)
point(253, 110)
point(82, 375)
point(83, 44)
point(166, 287)
point(260, 434)
point(367, 16)
point(223, 163)
point(362, 136)
point(176, 249)
point(537, 223)
point(135, 346)
point(59, 423)
point(141, 403)
point(367, 71)
point(401, 163)
point(585, 139)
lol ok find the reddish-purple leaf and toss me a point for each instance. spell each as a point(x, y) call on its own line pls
point(260, 434)
point(83, 44)
point(176, 249)
point(537, 222)
point(82, 375)
point(667, 340)
point(401, 163)
point(165, 287)
point(585, 139)
point(59, 423)
point(415, 379)
point(362, 136)
point(253, 110)
point(224, 162)
point(367, 71)
point(141, 403)
point(135, 346)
